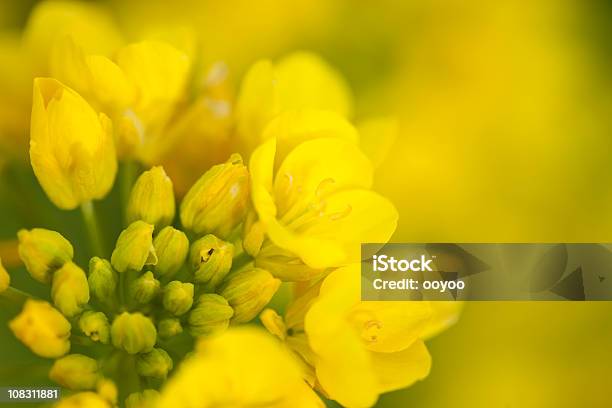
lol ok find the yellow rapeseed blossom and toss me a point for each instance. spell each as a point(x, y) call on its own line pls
point(42, 329)
point(363, 349)
point(299, 80)
point(71, 147)
point(223, 372)
point(5, 278)
point(311, 191)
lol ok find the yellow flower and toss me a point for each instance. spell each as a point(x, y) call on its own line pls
point(71, 147)
point(42, 329)
point(5, 278)
point(299, 80)
point(70, 290)
point(363, 349)
point(223, 372)
point(311, 191)
point(86, 399)
point(134, 248)
point(171, 247)
point(248, 291)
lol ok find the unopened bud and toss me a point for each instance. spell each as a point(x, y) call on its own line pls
point(218, 201)
point(178, 297)
point(152, 199)
point(253, 234)
point(43, 251)
point(70, 291)
point(156, 364)
point(211, 314)
point(248, 292)
point(144, 399)
point(107, 389)
point(134, 248)
point(95, 326)
point(5, 278)
point(211, 260)
point(144, 289)
point(171, 247)
point(42, 329)
point(169, 327)
point(76, 372)
point(102, 279)
point(133, 332)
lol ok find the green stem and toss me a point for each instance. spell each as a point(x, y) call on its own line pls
point(14, 295)
point(128, 175)
point(91, 224)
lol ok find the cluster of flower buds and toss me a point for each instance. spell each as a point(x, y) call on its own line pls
point(159, 285)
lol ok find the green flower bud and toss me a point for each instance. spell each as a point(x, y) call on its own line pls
point(102, 279)
point(5, 278)
point(248, 292)
point(43, 251)
point(76, 372)
point(171, 247)
point(133, 332)
point(69, 290)
point(152, 199)
point(134, 248)
point(156, 364)
point(144, 399)
point(211, 260)
point(211, 314)
point(178, 297)
point(253, 234)
point(218, 201)
point(144, 289)
point(169, 327)
point(95, 326)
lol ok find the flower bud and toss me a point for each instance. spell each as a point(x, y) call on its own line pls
point(156, 364)
point(72, 149)
point(171, 247)
point(211, 260)
point(5, 278)
point(95, 326)
point(70, 291)
point(75, 372)
point(169, 327)
point(134, 248)
point(144, 399)
point(248, 291)
point(178, 297)
point(218, 201)
point(86, 399)
point(211, 314)
point(253, 234)
point(144, 288)
point(42, 329)
point(108, 390)
point(43, 251)
point(102, 279)
point(152, 199)
point(133, 332)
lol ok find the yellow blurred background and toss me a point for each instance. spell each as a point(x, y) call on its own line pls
point(505, 113)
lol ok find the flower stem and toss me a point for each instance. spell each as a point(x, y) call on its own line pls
point(128, 175)
point(13, 297)
point(91, 224)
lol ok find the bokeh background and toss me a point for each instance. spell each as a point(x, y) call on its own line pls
point(505, 113)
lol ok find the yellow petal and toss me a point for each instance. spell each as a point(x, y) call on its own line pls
point(403, 368)
point(305, 80)
point(377, 136)
point(317, 168)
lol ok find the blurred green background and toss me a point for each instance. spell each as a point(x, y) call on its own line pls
point(505, 113)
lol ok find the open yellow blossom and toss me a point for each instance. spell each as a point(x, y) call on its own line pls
point(299, 80)
point(223, 372)
point(71, 147)
point(42, 329)
point(363, 349)
point(310, 189)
